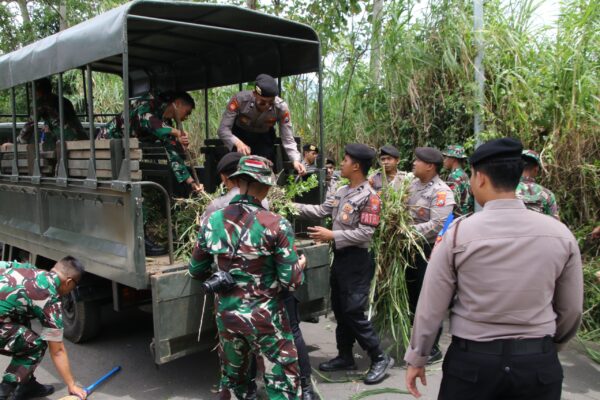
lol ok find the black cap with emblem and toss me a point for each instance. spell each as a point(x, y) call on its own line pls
point(429, 155)
point(360, 151)
point(310, 147)
point(266, 86)
point(389, 150)
point(506, 148)
point(229, 163)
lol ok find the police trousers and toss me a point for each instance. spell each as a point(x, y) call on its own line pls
point(26, 349)
point(415, 277)
point(352, 271)
point(526, 369)
point(261, 144)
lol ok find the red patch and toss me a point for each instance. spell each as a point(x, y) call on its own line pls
point(254, 163)
point(233, 104)
point(369, 219)
point(440, 200)
point(286, 117)
point(375, 204)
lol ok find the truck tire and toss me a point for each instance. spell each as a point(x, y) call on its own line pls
point(81, 318)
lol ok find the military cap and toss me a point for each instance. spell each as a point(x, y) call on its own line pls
point(360, 151)
point(266, 86)
point(533, 155)
point(257, 168)
point(429, 155)
point(310, 147)
point(505, 148)
point(455, 151)
point(389, 150)
point(229, 162)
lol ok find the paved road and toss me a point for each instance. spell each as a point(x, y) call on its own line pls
point(125, 338)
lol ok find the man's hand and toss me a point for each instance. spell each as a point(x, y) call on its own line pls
point(242, 148)
point(184, 139)
point(596, 233)
point(300, 168)
point(302, 261)
point(320, 234)
point(196, 187)
point(78, 391)
point(412, 373)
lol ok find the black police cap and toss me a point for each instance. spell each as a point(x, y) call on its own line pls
point(266, 86)
point(429, 155)
point(229, 162)
point(389, 150)
point(360, 151)
point(504, 148)
point(310, 147)
point(329, 161)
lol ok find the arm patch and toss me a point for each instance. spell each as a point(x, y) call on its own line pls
point(440, 199)
point(370, 213)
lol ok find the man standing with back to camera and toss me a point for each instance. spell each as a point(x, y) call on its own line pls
point(514, 279)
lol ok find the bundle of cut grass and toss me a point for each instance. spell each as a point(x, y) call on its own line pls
point(395, 245)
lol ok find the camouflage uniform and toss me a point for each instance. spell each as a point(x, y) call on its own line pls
point(537, 198)
point(146, 123)
point(458, 181)
point(251, 318)
point(27, 292)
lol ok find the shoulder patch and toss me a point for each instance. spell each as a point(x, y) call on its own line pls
point(233, 104)
point(440, 199)
point(286, 117)
point(370, 213)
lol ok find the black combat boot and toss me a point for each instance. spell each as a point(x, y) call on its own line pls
point(31, 389)
point(153, 249)
point(251, 394)
point(6, 389)
point(307, 390)
point(343, 362)
point(379, 367)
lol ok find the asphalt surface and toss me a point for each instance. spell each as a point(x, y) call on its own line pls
point(125, 339)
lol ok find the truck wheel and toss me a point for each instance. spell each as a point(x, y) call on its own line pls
point(81, 318)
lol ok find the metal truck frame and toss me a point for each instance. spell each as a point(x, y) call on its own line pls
point(152, 45)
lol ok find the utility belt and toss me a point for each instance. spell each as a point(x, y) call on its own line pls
point(516, 347)
point(349, 249)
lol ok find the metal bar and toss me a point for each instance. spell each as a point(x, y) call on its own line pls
point(15, 167)
point(206, 130)
point(28, 100)
point(321, 132)
point(35, 176)
point(125, 172)
point(78, 115)
point(62, 165)
point(162, 49)
point(85, 96)
point(168, 208)
point(91, 180)
point(240, 86)
point(221, 29)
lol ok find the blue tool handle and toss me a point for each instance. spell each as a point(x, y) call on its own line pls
point(447, 224)
point(94, 385)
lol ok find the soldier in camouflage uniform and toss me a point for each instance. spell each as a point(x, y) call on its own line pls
point(248, 123)
point(251, 317)
point(25, 293)
point(458, 180)
point(535, 196)
point(151, 119)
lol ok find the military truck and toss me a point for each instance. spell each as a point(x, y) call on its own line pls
point(85, 198)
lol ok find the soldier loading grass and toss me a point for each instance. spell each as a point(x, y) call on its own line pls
point(535, 196)
point(458, 180)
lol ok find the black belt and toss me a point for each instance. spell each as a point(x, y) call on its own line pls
point(349, 249)
point(517, 347)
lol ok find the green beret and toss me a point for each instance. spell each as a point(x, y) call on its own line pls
point(505, 148)
point(429, 155)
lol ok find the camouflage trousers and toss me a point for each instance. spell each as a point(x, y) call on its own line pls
point(275, 351)
point(26, 349)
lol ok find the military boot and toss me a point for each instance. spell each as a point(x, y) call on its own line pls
point(6, 389)
point(379, 366)
point(307, 390)
point(251, 394)
point(31, 389)
point(343, 362)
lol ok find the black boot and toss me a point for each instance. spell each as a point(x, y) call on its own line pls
point(343, 362)
point(251, 394)
point(6, 389)
point(31, 389)
point(379, 367)
point(153, 249)
point(307, 390)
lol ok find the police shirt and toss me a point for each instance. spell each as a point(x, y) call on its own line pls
point(430, 204)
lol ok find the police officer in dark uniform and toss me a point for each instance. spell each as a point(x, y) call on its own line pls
point(355, 210)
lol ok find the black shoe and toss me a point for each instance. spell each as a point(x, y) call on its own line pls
point(435, 355)
point(251, 394)
point(338, 364)
point(379, 367)
point(153, 249)
point(31, 389)
point(6, 389)
point(307, 390)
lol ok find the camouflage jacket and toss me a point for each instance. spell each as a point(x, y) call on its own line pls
point(26, 293)
point(537, 198)
point(265, 264)
point(242, 112)
point(458, 181)
point(146, 123)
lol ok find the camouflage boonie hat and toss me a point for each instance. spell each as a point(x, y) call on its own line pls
point(532, 154)
point(258, 168)
point(455, 151)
